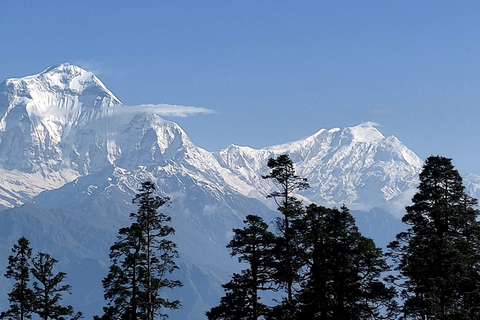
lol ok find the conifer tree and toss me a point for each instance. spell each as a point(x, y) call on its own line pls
point(438, 256)
point(288, 251)
point(235, 304)
point(124, 278)
point(253, 244)
point(343, 281)
point(48, 290)
point(142, 258)
point(21, 297)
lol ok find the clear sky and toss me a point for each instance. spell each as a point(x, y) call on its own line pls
point(272, 71)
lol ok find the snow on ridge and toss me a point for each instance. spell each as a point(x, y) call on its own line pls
point(366, 132)
point(63, 77)
point(106, 150)
point(61, 96)
point(357, 166)
point(343, 165)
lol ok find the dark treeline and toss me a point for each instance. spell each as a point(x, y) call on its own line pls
point(323, 268)
point(141, 260)
point(43, 297)
point(312, 258)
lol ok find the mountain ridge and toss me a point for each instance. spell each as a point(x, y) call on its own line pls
point(74, 156)
point(79, 141)
point(330, 160)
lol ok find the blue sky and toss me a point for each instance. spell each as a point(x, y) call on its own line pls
point(272, 71)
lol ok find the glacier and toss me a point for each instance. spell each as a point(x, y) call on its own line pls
point(72, 156)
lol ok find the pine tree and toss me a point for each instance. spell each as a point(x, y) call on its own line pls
point(438, 256)
point(288, 251)
point(343, 281)
point(21, 297)
point(124, 278)
point(238, 302)
point(253, 244)
point(48, 289)
point(142, 258)
point(160, 252)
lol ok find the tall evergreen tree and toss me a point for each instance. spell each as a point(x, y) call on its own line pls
point(343, 281)
point(288, 251)
point(122, 284)
point(160, 252)
point(253, 244)
point(438, 256)
point(48, 290)
point(236, 304)
point(21, 297)
point(142, 258)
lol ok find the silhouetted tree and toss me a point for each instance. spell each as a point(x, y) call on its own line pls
point(438, 256)
point(253, 245)
point(288, 252)
point(21, 297)
point(345, 268)
point(142, 258)
point(48, 289)
point(124, 278)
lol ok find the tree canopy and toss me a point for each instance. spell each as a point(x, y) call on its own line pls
point(142, 258)
point(345, 268)
point(438, 256)
point(253, 245)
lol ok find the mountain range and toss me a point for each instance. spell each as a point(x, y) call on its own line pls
point(72, 156)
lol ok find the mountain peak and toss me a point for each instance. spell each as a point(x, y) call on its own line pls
point(64, 67)
point(64, 78)
point(366, 132)
point(42, 111)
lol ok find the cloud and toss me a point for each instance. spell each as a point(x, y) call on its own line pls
point(171, 110)
point(93, 66)
point(367, 124)
point(396, 206)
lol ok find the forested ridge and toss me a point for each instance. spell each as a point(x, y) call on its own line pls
point(312, 258)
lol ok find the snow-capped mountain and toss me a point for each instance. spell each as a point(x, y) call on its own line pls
point(356, 166)
point(63, 123)
point(40, 117)
point(75, 155)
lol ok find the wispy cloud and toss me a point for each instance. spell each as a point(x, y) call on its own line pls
point(370, 124)
point(171, 110)
point(91, 65)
